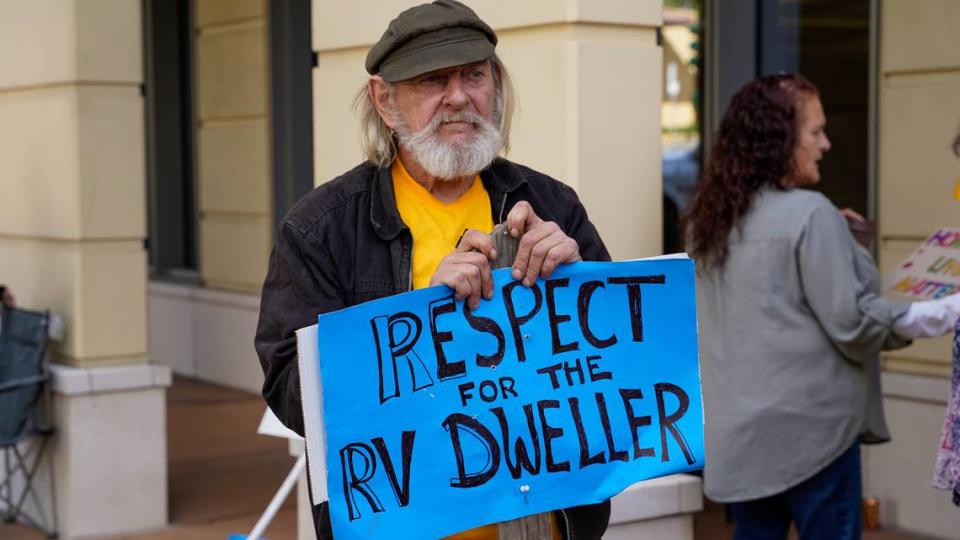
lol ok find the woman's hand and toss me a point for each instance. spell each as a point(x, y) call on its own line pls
point(852, 215)
point(6, 297)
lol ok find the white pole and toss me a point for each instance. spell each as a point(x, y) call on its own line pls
point(278, 499)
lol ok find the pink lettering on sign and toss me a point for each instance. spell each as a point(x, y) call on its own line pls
point(944, 238)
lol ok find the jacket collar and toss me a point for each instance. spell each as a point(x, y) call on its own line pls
point(384, 215)
point(500, 178)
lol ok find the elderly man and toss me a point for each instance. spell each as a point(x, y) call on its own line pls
point(436, 114)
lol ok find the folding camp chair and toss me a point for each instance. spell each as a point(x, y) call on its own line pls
point(24, 429)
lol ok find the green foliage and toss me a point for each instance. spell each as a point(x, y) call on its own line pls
point(692, 4)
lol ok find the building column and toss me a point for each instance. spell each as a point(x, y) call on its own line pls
point(71, 240)
point(918, 86)
point(588, 76)
point(589, 86)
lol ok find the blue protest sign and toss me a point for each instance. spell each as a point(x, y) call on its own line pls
point(440, 419)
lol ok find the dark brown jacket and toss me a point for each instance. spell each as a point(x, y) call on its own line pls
point(344, 243)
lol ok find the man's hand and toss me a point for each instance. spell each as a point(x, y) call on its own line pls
point(467, 270)
point(543, 246)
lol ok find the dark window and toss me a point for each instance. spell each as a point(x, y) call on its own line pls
point(171, 192)
point(828, 41)
point(291, 64)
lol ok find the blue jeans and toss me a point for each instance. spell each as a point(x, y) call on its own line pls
point(826, 506)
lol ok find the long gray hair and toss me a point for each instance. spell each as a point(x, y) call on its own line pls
point(379, 142)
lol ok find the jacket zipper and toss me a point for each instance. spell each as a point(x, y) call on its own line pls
point(568, 534)
point(410, 265)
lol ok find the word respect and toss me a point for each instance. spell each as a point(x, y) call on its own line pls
point(397, 335)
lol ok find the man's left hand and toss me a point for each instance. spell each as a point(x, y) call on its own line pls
point(543, 245)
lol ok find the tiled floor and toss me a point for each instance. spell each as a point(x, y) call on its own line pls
point(222, 474)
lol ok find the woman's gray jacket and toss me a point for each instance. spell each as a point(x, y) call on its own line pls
point(791, 328)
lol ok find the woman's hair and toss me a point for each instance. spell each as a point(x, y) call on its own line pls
point(753, 148)
point(379, 142)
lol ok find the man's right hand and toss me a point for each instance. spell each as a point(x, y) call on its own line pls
point(467, 270)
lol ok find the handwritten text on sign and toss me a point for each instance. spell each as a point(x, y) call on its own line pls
point(932, 270)
point(439, 418)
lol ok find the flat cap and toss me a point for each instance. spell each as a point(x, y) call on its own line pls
point(429, 37)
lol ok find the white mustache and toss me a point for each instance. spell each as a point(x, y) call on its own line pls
point(442, 118)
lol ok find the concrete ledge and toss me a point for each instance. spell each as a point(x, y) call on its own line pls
point(657, 498)
point(71, 381)
point(916, 387)
point(179, 291)
point(899, 473)
point(110, 424)
point(205, 334)
point(110, 457)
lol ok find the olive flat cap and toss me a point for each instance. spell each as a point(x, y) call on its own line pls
point(429, 37)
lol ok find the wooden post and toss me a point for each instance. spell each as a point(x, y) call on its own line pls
point(506, 246)
point(535, 527)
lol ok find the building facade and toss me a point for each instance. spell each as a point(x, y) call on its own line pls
point(149, 149)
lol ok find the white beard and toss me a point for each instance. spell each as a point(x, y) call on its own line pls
point(448, 161)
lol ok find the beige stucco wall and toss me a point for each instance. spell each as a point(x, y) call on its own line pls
point(899, 473)
point(919, 115)
point(233, 156)
point(71, 145)
point(919, 84)
point(71, 240)
point(588, 78)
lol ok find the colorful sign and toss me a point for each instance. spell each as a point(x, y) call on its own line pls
point(932, 270)
point(439, 419)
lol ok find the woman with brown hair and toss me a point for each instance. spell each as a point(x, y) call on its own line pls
point(791, 322)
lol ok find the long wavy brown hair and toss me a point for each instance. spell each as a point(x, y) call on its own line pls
point(753, 148)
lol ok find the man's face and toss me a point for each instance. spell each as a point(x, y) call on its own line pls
point(468, 88)
point(445, 121)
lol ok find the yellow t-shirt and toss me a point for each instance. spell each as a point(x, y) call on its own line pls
point(436, 226)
